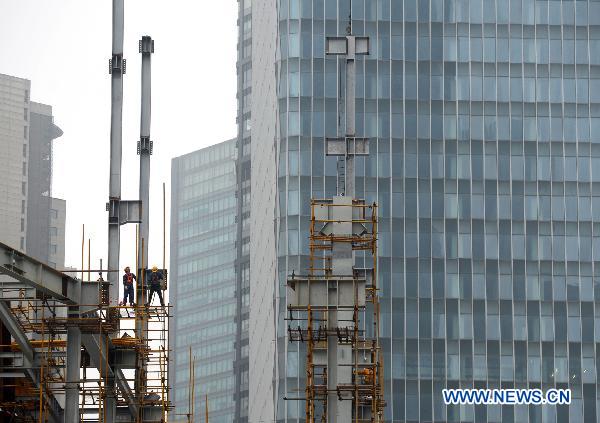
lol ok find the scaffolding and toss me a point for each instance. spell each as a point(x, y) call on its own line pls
point(150, 351)
point(77, 354)
point(34, 315)
point(328, 311)
point(34, 365)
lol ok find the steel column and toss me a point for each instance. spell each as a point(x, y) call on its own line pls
point(144, 150)
point(350, 112)
point(339, 356)
point(73, 361)
point(117, 69)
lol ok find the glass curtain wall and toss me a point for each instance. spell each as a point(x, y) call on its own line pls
point(484, 120)
point(202, 281)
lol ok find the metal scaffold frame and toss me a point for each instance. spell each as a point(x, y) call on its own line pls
point(69, 352)
point(344, 365)
point(151, 403)
point(43, 358)
point(325, 308)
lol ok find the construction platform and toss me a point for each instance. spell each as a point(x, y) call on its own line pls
point(327, 309)
point(51, 322)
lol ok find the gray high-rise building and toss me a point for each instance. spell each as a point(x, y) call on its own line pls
point(45, 214)
point(31, 220)
point(57, 228)
point(230, 348)
point(203, 291)
point(14, 145)
point(484, 127)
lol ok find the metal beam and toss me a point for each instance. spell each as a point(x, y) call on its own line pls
point(16, 332)
point(13, 374)
point(126, 391)
point(56, 412)
point(97, 350)
point(130, 211)
point(27, 272)
point(31, 272)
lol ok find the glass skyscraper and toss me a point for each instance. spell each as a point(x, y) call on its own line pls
point(484, 121)
point(203, 281)
point(242, 264)
point(214, 184)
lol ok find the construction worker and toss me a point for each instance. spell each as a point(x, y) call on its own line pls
point(128, 279)
point(156, 278)
point(367, 375)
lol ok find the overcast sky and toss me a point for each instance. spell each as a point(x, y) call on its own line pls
point(63, 47)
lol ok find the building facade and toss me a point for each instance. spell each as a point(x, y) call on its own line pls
point(45, 214)
point(264, 285)
point(14, 150)
point(484, 127)
point(203, 275)
point(244, 98)
point(230, 310)
point(30, 219)
point(57, 228)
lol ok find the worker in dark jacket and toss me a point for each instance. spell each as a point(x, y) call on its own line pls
point(128, 279)
point(156, 278)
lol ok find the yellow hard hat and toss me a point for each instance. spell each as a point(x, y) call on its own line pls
point(154, 269)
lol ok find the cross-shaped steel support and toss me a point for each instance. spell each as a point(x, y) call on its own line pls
point(339, 356)
point(349, 146)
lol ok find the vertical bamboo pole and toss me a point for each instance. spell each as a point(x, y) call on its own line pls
point(42, 378)
point(164, 228)
point(189, 414)
point(89, 259)
point(193, 387)
point(137, 266)
point(206, 409)
point(82, 249)
point(143, 275)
